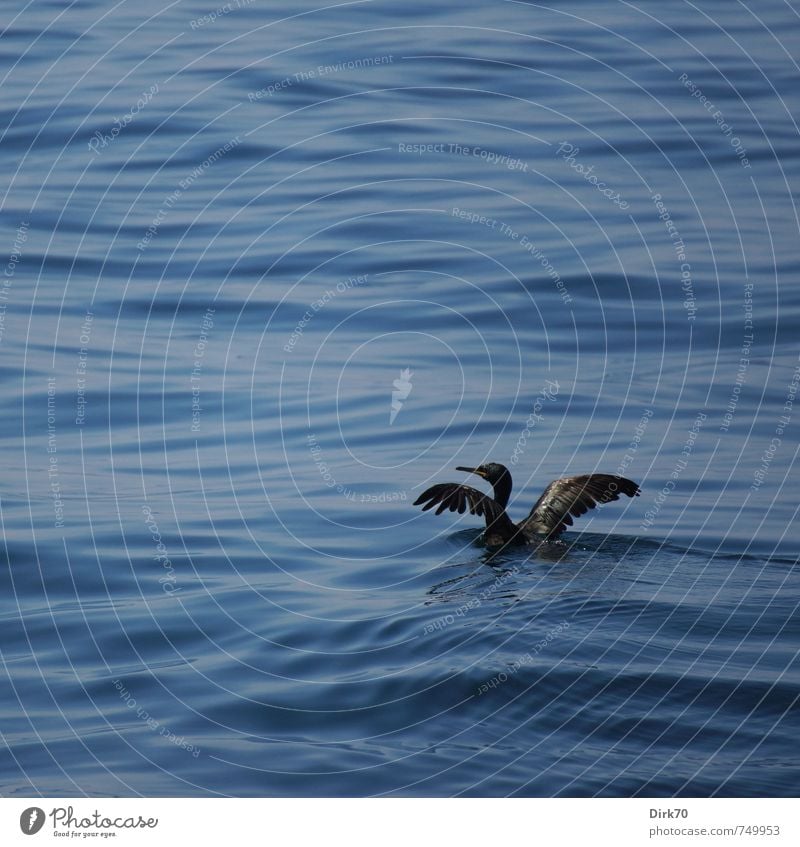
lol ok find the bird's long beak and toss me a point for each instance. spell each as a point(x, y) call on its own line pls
point(477, 471)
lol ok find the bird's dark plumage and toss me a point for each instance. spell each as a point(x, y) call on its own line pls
point(562, 500)
point(456, 498)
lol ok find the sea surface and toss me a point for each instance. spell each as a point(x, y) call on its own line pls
point(271, 269)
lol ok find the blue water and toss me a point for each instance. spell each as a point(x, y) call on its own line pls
point(221, 251)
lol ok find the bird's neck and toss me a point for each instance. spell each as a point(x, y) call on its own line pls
point(502, 489)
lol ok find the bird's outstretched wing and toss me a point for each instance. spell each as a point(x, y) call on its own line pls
point(459, 498)
point(573, 496)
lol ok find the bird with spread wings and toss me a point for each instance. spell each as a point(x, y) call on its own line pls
point(562, 500)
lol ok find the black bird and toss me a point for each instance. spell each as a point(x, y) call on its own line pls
point(552, 513)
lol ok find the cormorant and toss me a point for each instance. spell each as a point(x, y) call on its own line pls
point(552, 513)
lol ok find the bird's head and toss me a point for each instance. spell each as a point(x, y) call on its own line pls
point(498, 476)
point(491, 472)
